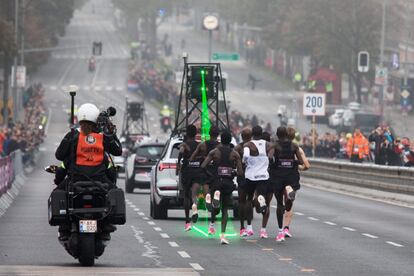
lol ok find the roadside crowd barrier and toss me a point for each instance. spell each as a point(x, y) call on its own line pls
point(11, 179)
point(386, 178)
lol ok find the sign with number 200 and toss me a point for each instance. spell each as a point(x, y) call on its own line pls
point(314, 104)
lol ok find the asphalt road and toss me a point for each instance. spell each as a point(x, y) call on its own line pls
point(334, 234)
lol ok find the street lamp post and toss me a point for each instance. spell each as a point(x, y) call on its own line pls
point(381, 94)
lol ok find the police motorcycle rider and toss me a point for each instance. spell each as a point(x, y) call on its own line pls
point(85, 156)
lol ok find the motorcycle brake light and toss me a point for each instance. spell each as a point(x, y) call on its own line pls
point(164, 166)
point(87, 206)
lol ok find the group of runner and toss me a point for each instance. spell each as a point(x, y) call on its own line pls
point(264, 168)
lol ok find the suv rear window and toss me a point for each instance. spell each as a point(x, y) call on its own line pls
point(150, 151)
point(175, 151)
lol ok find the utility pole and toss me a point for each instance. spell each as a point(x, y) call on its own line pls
point(14, 75)
point(381, 94)
point(407, 37)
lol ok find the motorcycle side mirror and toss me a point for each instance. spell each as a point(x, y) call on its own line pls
point(51, 169)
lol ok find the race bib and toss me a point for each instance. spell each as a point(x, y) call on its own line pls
point(286, 163)
point(225, 171)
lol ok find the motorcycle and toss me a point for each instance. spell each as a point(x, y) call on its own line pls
point(86, 208)
point(165, 124)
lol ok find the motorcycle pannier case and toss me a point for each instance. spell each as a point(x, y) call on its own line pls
point(116, 200)
point(57, 207)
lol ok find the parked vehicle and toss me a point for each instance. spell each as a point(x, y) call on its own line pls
point(139, 164)
point(336, 118)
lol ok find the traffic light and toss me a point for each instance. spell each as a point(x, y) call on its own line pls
point(97, 48)
point(363, 62)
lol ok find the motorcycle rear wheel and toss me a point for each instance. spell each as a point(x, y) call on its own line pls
point(87, 249)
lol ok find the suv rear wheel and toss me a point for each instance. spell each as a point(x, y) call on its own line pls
point(158, 211)
point(129, 185)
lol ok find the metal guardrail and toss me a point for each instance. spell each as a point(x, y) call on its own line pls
point(387, 178)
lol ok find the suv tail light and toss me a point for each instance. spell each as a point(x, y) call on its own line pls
point(164, 166)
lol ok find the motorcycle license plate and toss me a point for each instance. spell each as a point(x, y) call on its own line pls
point(88, 226)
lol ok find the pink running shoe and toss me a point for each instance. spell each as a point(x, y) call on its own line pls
point(287, 233)
point(263, 234)
point(187, 227)
point(211, 230)
point(280, 237)
point(250, 233)
point(243, 233)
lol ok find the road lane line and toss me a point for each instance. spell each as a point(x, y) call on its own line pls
point(312, 218)
point(299, 214)
point(369, 236)
point(329, 223)
point(285, 259)
point(136, 209)
point(394, 244)
point(349, 229)
point(164, 235)
point(151, 223)
point(141, 214)
point(132, 206)
point(183, 254)
point(157, 229)
point(145, 218)
point(307, 270)
point(196, 266)
point(173, 244)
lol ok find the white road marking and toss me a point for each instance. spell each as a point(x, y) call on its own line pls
point(118, 88)
point(86, 88)
point(98, 88)
point(394, 244)
point(53, 88)
point(329, 223)
point(141, 214)
point(136, 209)
point(145, 218)
point(196, 266)
point(151, 223)
point(312, 218)
point(109, 88)
point(165, 236)
point(183, 254)
point(299, 214)
point(349, 229)
point(369, 236)
point(173, 244)
point(132, 206)
point(158, 229)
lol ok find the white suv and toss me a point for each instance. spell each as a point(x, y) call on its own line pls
point(165, 192)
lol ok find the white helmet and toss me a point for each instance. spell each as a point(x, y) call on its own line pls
point(88, 112)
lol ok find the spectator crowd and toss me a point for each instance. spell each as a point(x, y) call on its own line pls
point(380, 146)
point(28, 134)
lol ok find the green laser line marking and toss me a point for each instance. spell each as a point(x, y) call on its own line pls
point(205, 116)
point(206, 234)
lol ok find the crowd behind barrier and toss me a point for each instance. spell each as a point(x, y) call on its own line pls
point(28, 134)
